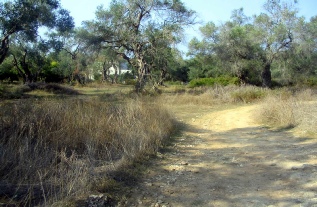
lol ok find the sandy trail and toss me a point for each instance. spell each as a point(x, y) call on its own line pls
point(225, 159)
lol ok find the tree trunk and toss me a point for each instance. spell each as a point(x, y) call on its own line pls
point(266, 76)
point(105, 71)
point(242, 76)
point(142, 72)
point(23, 69)
point(115, 76)
point(4, 49)
point(162, 76)
point(29, 76)
point(141, 81)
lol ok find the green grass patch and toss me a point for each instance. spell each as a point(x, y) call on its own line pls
point(223, 81)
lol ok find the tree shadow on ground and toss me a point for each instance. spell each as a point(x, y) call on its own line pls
point(242, 167)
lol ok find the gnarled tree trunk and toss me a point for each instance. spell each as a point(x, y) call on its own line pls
point(142, 72)
point(266, 76)
point(4, 48)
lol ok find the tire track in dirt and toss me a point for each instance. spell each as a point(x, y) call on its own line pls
point(224, 158)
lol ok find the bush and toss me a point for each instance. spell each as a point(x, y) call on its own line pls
point(223, 81)
point(311, 81)
point(174, 83)
point(131, 82)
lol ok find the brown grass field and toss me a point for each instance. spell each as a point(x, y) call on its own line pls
point(59, 144)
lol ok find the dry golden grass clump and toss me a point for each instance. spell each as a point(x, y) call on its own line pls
point(288, 109)
point(51, 149)
point(214, 95)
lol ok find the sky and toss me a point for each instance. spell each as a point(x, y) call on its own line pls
point(217, 11)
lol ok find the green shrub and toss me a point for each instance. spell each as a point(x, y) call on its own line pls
point(223, 81)
point(2, 90)
point(174, 83)
point(131, 82)
point(311, 81)
point(97, 77)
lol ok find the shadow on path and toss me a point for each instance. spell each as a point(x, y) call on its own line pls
point(251, 166)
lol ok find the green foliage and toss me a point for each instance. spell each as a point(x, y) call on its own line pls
point(131, 82)
point(174, 83)
point(310, 81)
point(2, 90)
point(179, 74)
point(142, 39)
point(7, 72)
point(21, 19)
point(126, 77)
point(97, 77)
point(223, 81)
point(277, 43)
point(52, 74)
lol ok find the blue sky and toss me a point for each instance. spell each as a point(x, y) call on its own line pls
point(216, 11)
point(208, 10)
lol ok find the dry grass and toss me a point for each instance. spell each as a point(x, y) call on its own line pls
point(50, 149)
point(10, 91)
point(213, 95)
point(104, 88)
point(281, 108)
point(291, 109)
point(53, 150)
point(53, 88)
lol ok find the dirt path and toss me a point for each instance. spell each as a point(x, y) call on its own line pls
point(225, 159)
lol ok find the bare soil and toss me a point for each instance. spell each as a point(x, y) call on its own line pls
point(225, 158)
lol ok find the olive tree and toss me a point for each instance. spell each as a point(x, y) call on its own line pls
point(225, 49)
point(237, 52)
point(301, 60)
point(29, 59)
point(137, 30)
point(23, 18)
point(203, 60)
point(274, 31)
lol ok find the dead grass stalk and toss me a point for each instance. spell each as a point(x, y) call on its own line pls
point(53, 148)
point(291, 109)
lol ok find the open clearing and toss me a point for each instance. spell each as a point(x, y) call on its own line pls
point(224, 158)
